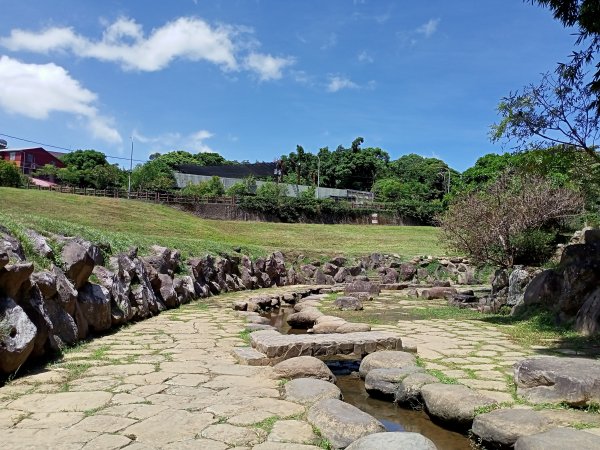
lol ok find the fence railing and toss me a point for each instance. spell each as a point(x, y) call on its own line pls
point(166, 197)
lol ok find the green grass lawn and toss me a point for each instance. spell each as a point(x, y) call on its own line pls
point(124, 223)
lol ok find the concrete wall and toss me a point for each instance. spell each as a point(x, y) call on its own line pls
point(293, 190)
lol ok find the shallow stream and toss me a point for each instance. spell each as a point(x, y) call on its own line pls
point(393, 417)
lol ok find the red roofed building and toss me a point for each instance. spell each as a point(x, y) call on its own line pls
point(30, 159)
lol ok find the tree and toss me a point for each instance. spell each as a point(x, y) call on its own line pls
point(153, 175)
point(495, 224)
point(84, 159)
point(210, 188)
point(9, 174)
point(585, 14)
point(558, 110)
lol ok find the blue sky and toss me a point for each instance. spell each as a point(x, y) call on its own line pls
point(250, 79)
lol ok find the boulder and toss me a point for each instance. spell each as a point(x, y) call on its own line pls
point(11, 246)
point(559, 439)
point(94, 302)
point(438, 293)
point(184, 287)
point(500, 281)
point(308, 391)
point(406, 272)
point(39, 244)
point(64, 331)
point(408, 391)
point(17, 336)
point(329, 269)
point(303, 367)
point(13, 277)
point(342, 275)
point(35, 307)
point(383, 383)
point(305, 318)
point(575, 381)
point(386, 360)
point(341, 423)
point(78, 263)
point(164, 260)
point(339, 261)
point(389, 276)
point(358, 286)
point(454, 404)
point(46, 283)
point(397, 440)
point(587, 320)
point(517, 282)
point(503, 427)
point(348, 303)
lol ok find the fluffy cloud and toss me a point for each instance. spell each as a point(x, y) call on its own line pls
point(38, 90)
point(125, 43)
point(337, 83)
point(267, 67)
point(193, 142)
point(429, 28)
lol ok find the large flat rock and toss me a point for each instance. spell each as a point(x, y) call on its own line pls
point(559, 439)
point(279, 347)
point(575, 381)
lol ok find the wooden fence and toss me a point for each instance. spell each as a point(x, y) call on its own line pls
point(169, 198)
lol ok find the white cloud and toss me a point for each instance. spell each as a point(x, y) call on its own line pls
point(167, 142)
point(365, 57)
point(330, 42)
point(429, 28)
point(337, 83)
point(38, 90)
point(125, 43)
point(267, 67)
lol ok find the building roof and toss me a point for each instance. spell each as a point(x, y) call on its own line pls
point(22, 149)
point(229, 171)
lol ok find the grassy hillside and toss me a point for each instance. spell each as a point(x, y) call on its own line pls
point(124, 223)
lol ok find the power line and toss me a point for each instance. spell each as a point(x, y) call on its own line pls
point(64, 148)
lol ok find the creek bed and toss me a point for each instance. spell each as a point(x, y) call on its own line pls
point(393, 417)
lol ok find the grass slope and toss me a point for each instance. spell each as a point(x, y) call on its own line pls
point(124, 223)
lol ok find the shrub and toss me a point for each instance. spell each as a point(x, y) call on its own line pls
point(10, 175)
point(533, 247)
point(498, 224)
point(210, 188)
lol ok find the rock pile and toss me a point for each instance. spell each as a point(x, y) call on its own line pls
point(43, 311)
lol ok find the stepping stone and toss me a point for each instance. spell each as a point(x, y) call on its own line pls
point(454, 404)
point(559, 439)
point(408, 390)
point(308, 391)
point(386, 360)
point(341, 423)
point(505, 426)
point(303, 367)
point(575, 381)
point(397, 440)
point(249, 357)
point(383, 383)
point(292, 431)
point(284, 346)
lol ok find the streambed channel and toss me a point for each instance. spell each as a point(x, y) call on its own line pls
point(393, 417)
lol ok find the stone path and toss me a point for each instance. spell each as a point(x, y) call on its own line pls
point(168, 382)
point(473, 353)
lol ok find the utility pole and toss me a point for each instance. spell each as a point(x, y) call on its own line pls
point(130, 169)
point(318, 176)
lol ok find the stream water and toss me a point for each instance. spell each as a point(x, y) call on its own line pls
point(393, 417)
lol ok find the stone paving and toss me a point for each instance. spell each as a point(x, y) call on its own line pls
point(168, 382)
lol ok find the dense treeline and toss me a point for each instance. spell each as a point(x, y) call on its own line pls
point(412, 186)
